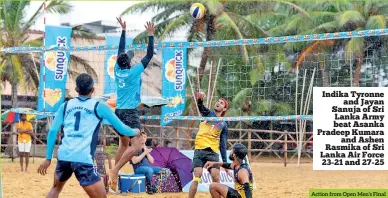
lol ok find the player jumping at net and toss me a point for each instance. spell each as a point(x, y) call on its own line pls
point(211, 139)
point(128, 84)
point(80, 119)
point(243, 178)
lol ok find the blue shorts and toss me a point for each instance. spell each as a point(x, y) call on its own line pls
point(86, 174)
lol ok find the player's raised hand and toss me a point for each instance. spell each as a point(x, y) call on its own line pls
point(123, 24)
point(200, 95)
point(150, 27)
point(43, 167)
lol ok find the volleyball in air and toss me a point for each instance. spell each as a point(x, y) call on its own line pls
point(197, 10)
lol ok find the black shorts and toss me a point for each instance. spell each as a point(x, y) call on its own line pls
point(201, 156)
point(129, 117)
point(86, 174)
point(232, 193)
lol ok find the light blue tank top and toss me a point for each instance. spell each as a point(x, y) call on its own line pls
point(81, 125)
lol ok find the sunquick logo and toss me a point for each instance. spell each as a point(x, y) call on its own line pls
point(61, 59)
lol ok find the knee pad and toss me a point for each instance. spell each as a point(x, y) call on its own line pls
point(197, 179)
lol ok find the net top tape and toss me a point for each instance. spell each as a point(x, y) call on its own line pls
point(199, 118)
point(219, 43)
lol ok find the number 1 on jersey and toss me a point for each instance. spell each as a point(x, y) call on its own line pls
point(77, 116)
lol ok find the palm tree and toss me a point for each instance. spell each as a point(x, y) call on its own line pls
point(327, 16)
point(222, 20)
point(23, 69)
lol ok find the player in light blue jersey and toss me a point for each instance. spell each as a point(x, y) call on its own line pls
point(128, 85)
point(80, 120)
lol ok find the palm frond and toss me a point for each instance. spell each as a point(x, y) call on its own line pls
point(294, 24)
point(181, 21)
point(18, 73)
point(225, 19)
point(343, 5)
point(82, 33)
point(32, 19)
point(151, 4)
point(245, 8)
point(326, 27)
point(80, 64)
point(319, 18)
point(73, 73)
point(376, 22)
point(159, 29)
point(278, 30)
point(246, 26)
point(380, 8)
point(266, 20)
point(54, 7)
point(59, 7)
point(300, 10)
point(350, 16)
point(356, 46)
point(167, 13)
point(31, 67)
point(34, 43)
point(214, 7)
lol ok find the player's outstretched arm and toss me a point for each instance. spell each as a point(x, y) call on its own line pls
point(104, 111)
point(150, 49)
point(223, 143)
point(53, 132)
point(243, 177)
point(201, 107)
point(122, 37)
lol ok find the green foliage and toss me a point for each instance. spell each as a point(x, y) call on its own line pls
point(23, 69)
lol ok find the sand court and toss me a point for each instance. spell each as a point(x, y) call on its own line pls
point(272, 180)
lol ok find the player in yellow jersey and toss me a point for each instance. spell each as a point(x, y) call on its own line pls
point(243, 178)
point(210, 141)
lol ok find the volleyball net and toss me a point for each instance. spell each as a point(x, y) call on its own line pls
point(267, 81)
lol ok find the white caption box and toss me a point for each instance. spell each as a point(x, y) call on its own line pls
point(350, 128)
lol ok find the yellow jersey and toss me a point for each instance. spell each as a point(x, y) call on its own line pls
point(24, 126)
point(237, 185)
point(211, 134)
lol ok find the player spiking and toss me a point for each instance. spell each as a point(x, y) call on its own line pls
point(211, 139)
point(128, 84)
point(80, 119)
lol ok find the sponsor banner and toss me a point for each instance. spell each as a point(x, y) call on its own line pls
point(54, 69)
point(174, 82)
point(110, 62)
point(206, 179)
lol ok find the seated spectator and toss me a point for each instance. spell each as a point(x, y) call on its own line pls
point(142, 165)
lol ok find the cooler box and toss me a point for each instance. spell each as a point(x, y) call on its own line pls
point(133, 183)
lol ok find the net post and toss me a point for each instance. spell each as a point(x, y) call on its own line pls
point(285, 148)
point(249, 144)
point(177, 137)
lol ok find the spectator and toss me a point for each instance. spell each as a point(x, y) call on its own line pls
point(24, 129)
point(142, 165)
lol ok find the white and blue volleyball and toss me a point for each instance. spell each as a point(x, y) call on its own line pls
point(197, 10)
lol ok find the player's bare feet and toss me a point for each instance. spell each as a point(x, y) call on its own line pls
point(113, 180)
